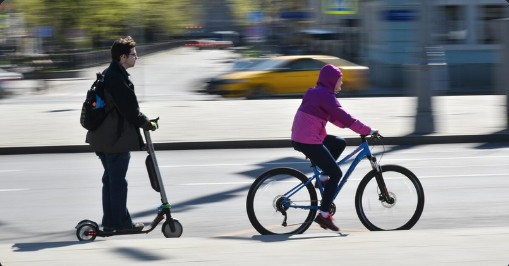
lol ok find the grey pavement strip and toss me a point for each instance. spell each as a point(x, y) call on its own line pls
point(54, 127)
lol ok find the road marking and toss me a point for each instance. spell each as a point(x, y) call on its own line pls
point(14, 189)
point(355, 179)
point(227, 164)
point(445, 158)
point(464, 175)
point(307, 162)
point(218, 183)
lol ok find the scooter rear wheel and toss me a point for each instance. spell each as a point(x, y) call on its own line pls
point(167, 229)
point(86, 232)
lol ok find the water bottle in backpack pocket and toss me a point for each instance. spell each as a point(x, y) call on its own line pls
point(93, 110)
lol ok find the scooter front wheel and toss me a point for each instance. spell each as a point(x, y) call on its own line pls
point(86, 231)
point(167, 229)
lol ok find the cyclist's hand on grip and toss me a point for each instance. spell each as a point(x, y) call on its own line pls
point(375, 133)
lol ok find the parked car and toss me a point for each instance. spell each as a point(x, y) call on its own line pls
point(209, 44)
point(6, 76)
point(285, 75)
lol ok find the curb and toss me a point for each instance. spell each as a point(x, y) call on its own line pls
point(410, 140)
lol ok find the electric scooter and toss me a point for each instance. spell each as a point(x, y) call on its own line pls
point(88, 230)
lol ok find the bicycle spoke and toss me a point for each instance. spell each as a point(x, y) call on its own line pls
point(272, 213)
point(403, 208)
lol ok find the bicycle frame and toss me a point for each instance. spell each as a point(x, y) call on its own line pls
point(361, 152)
point(292, 194)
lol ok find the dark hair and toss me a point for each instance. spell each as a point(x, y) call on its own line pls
point(122, 46)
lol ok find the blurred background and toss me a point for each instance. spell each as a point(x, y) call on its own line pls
point(377, 41)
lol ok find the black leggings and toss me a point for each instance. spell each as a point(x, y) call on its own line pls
point(324, 156)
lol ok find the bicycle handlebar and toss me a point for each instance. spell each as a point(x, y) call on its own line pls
point(376, 135)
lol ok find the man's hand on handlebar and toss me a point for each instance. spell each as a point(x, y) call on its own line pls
point(151, 125)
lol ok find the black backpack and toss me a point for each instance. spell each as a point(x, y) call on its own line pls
point(92, 117)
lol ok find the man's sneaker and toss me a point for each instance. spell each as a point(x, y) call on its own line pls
point(135, 227)
point(326, 223)
point(108, 230)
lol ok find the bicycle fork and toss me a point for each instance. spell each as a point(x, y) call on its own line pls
point(384, 195)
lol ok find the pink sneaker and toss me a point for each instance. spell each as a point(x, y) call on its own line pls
point(326, 223)
point(324, 181)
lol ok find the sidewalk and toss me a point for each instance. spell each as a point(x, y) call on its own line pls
point(43, 128)
point(465, 247)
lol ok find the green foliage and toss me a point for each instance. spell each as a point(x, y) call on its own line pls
point(100, 21)
point(241, 7)
point(106, 19)
point(270, 8)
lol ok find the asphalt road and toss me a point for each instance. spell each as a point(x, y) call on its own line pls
point(42, 197)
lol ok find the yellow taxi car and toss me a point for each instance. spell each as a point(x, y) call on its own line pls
point(285, 75)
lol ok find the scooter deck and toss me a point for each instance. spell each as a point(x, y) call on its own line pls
point(102, 233)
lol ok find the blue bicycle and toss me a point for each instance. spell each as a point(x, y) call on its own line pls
point(284, 200)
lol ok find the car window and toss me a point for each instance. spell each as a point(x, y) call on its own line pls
point(246, 64)
point(267, 65)
point(305, 64)
point(339, 62)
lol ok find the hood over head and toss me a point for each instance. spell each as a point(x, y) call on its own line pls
point(329, 75)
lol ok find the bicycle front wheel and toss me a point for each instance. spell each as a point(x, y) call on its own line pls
point(280, 202)
point(403, 208)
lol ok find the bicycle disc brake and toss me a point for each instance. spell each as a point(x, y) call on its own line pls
point(388, 203)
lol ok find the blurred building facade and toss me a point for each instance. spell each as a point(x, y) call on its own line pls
point(384, 35)
point(380, 34)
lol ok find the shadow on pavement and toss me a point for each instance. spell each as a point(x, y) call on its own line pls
point(495, 145)
point(190, 204)
point(281, 238)
point(126, 252)
point(137, 254)
point(29, 247)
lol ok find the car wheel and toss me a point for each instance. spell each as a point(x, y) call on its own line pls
point(258, 92)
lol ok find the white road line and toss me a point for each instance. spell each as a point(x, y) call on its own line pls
point(463, 175)
point(9, 171)
point(14, 189)
point(443, 158)
point(349, 180)
point(218, 183)
point(307, 162)
point(227, 164)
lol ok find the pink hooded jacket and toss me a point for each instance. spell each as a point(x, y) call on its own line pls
point(320, 106)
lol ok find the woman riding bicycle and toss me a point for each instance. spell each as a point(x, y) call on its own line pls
point(309, 135)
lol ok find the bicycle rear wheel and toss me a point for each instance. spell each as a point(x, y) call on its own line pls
point(271, 212)
point(404, 208)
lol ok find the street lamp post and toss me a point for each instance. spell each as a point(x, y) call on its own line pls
point(503, 73)
point(424, 122)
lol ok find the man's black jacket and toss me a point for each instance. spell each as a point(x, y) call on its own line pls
point(120, 131)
